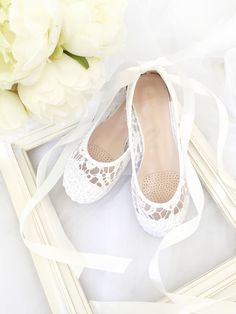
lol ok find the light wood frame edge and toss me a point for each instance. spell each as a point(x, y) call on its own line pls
point(62, 289)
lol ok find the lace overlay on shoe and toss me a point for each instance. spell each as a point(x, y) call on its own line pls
point(159, 212)
point(100, 176)
point(137, 142)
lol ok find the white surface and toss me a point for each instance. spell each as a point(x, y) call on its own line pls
point(155, 28)
point(20, 290)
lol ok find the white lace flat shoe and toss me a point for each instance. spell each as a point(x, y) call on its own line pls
point(158, 185)
point(101, 157)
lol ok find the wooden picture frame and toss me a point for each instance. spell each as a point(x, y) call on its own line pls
point(62, 288)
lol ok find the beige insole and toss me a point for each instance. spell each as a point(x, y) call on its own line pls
point(107, 142)
point(159, 171)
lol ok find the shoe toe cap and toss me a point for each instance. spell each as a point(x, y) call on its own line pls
point(157, 220)
point(79, 186)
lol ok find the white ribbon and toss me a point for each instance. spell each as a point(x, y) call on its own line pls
point(178, 234)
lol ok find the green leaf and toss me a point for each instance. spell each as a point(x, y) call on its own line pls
point(57, 53)
point(82, 60)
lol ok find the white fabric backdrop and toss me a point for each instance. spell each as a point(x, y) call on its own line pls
point(200, 36)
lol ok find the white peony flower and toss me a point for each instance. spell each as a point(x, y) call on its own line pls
point(92, 27)
point(29, 32)
point(63, 89)
point(12, 111)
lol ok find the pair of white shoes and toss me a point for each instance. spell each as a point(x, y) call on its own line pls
point(141, 125)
